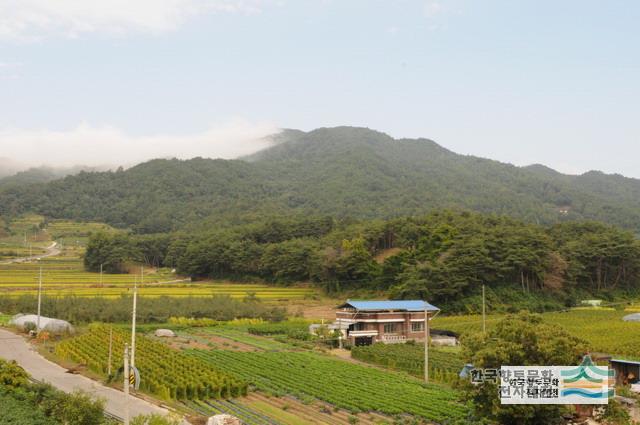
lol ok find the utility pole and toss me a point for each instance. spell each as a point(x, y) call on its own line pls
point(133, 323)
point(339, 332)
point(426, 344)
point(110, 350)
point(126, 384)
point(484, 313)
point(101, 275)
point(39, 300)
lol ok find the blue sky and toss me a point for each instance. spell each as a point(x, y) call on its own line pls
point(553, 82)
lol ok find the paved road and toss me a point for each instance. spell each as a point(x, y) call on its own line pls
point(52, 251)
point(14, 347)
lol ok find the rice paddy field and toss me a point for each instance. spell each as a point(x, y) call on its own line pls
point(64, 274)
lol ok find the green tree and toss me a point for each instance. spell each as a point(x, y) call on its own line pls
point(522, 340)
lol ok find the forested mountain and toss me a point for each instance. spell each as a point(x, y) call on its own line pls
point(341, 172)
point(42, 174)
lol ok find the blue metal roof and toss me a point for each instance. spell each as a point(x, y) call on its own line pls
point(406, 305)
point(624, 361)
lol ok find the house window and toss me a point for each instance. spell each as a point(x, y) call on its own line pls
point(359, 326)
point(389, 328)
point(417, 326)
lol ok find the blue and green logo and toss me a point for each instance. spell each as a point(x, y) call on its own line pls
point(588, 381)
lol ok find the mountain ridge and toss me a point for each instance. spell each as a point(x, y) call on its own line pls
point(345, 172)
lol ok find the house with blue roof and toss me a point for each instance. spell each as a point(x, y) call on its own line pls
point(389, 321)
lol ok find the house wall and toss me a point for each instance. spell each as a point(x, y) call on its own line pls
point(375, 321)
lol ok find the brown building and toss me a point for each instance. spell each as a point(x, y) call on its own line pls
point(368, 322)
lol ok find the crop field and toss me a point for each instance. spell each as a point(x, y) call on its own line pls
point(64, 274)
point(189, 377)
point(257, 408)
point(445, 363)
point(353, 387)
point(236, 335)
point(233, 290)
point(602, 328)
point(247, 415)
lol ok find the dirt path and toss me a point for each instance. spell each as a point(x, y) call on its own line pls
point(14, 347)
point(51, 251)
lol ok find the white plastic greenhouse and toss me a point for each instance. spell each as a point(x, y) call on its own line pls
point(54, 326)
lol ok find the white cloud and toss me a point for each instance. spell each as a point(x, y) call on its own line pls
point(36, 19)
point(100, 146)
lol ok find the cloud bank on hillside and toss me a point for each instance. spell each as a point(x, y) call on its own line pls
point(109, 146)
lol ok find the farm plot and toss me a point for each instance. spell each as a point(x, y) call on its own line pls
point(239, 290)
point(65, 275)
point(247, 415)
point(241, 337)
point(165, 373)
point(346, 385)
point(444, 363)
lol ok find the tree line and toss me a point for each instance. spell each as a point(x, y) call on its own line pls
point(442, 256)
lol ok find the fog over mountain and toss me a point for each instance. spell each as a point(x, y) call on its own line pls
point(108, 147)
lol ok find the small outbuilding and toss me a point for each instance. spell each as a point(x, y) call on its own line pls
point(627, 371)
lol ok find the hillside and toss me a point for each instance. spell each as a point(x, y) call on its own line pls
point(342, 172)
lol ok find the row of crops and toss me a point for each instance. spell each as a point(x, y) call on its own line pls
point(169, 290)
point(353, 387)
point(444, 363)
point(164, 372)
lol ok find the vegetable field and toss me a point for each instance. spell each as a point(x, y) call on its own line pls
point(444, 363)
point(164, 372)
point(346, 385)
